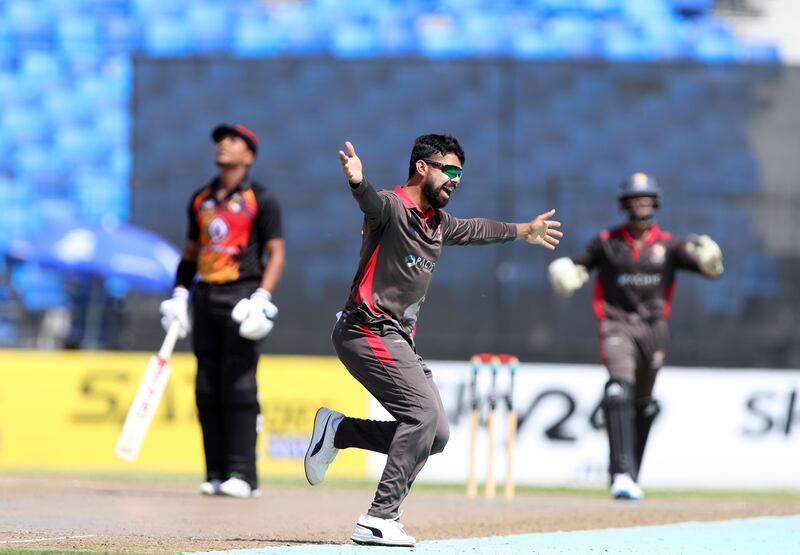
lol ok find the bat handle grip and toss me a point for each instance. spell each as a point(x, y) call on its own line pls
point(169, 341)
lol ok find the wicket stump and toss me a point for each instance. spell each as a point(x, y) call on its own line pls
point(496, 363)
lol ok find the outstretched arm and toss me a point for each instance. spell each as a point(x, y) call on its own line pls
point(541, 231)
point(373, 205)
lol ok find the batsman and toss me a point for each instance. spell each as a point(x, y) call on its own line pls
point(403, 233)
point(636, 265)
point(235, 246)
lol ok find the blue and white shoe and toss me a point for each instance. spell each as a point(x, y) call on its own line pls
point(321, 452)
point(623, 487)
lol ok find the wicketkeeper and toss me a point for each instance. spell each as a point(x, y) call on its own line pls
point(403, 234)
point(235, 245)
point(636, 267)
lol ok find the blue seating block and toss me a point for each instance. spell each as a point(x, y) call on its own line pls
point(257, 37)
point(211, 25)
point(168, 36)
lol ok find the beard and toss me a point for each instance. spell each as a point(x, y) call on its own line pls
point(431, 191)
point(641, 221)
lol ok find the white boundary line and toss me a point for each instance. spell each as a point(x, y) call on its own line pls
point(49, 539)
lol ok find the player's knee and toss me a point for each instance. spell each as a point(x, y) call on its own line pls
point(647, 408)
point(442, 435)
point(617, 391)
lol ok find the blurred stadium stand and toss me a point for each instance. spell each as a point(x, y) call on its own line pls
point(67, 138)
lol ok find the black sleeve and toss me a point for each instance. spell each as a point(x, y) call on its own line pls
point(683, 260)
point(590, 256)
point(192, 230)
point(269, 221)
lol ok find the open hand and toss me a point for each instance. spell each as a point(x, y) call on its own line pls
point(540, 231)
point(351, 164)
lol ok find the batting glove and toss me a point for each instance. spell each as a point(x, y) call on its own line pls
point(256, 315)
point(565, 276)
point(707, 253)
point(177, 309)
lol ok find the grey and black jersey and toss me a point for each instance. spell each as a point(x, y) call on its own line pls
point(635, 280)
point(400, 248)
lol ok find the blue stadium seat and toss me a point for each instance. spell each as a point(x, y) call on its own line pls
point(211, 23)
point(625, 44)
point(81, 145)
point(257, 37)
point(32, 23)
point(305, 30)
point(168, 36)
point(26, 125)
point(573, 36)
point(39, 68)
point(122, 35)
point(692, 7)
point(485, 32)
point(98, 195)
point(715, 45)
point(353, 40)
point(440, 36)
point(532, 44)
point(78, 33)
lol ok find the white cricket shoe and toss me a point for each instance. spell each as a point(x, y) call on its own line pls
point(210, 487)
point(371, 530)
point(236, 487)
point(623, 487)
point(321, 452)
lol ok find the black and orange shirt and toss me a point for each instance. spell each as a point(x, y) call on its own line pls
point(631, 279)
point(400, 248)
point(233, 232)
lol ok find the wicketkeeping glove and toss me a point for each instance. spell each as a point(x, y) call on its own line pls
point(177, 309)
point(256, 315)
point(707, 253)
point(565, 276)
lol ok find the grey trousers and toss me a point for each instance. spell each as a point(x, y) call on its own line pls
point(390, 369)
point(633, 352)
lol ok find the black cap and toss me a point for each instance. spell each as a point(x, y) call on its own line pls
point(239, 130)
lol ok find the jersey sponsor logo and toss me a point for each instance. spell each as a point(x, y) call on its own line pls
point(423, 263)
point(218, 230)
point(638, 280)
point(658, 253)
point(236, 203)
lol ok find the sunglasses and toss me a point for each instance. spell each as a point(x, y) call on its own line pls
point(449, 170)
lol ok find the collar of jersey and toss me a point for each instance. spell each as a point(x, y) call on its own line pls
point(243, 185)
point(654, 235)
point(411, 205)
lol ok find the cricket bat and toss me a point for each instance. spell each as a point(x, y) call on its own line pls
point(145, 403)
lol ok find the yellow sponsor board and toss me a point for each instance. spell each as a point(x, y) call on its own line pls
point(63, 412)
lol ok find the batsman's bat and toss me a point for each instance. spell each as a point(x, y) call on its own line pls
point(145, 403)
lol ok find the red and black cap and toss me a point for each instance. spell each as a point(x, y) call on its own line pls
point(239, 130)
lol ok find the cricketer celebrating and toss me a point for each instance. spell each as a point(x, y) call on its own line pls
point(636, 266)
point(403, 233)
